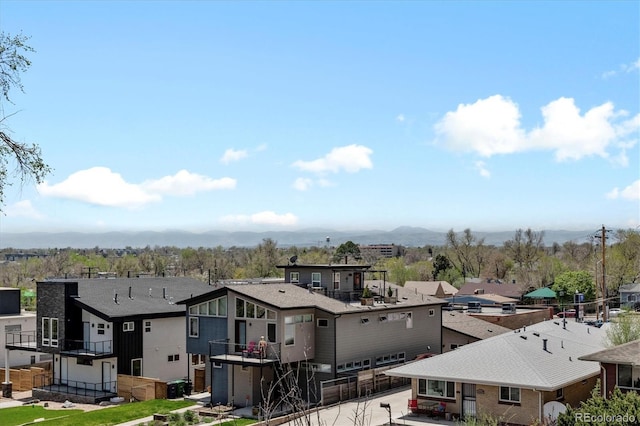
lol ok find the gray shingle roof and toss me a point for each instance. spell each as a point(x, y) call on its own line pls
point(470, 325)
point(627, 353)
point(517, 358)
point(98, 295)
point(290, 296)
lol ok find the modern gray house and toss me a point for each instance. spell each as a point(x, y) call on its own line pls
point(630, 295)
point(314, 324)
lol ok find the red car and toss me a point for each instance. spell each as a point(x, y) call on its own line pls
point(567, 313)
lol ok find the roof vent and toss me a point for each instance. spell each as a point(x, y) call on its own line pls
point(544, 345)
point(149, 291)
point(130, 293)
point(115, 297)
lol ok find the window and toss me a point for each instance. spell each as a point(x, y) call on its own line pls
point(289, 331)
point(323, 322)
point(136, 367)
point(294, 277)
point(239, 308)
point(316, 280)
point(308, 317)
point(212, 308)
point(560, 393)
point(147, 326)
point(100, 328)
point(624, 375)
point(198, 359)
point(50, 332)
point(251, 310)
point(436, 388)
point(509, 394)
point(260, 312)
point(173, 358)
point(336, 280)
point(194, 326)
point(127, 326)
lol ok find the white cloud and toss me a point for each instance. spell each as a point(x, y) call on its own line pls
point(482, 169)
point(489, 126)
point(100, 186)
point(492, 126)
point(261, 218)
point(302, 184)
point(185, 183)
point(231, 155)
point(23, 209)
point(631, 192)
point(351, 159)
point(400, 118)
point(624, 68)
point(103, 187)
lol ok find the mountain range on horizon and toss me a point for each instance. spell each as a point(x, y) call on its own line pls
point(405, 236)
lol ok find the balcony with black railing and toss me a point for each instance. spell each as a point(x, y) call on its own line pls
point(25, 340)
point(252, 353)
point(85, 348)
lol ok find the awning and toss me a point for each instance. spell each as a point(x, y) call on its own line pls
point(541, 293)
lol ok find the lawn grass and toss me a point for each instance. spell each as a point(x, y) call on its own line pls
point(103, 417)
point(19, 415)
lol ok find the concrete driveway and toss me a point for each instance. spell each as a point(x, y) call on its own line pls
point(367, 412)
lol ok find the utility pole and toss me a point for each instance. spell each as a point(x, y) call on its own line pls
point(603, 242)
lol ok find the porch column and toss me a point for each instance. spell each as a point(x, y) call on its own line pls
point(7, 387)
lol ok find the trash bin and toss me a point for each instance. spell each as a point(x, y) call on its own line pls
point(172, 390)
point(179, 388)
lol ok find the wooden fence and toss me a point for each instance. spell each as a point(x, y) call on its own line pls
point(22, 379)
point(364, 383)
point(140, 388)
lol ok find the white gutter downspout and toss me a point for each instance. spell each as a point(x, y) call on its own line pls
point(603, 385)
point(6, 365)
point(540, 413)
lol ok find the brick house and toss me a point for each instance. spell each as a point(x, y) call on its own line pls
point(620, 367)
point(512, 376)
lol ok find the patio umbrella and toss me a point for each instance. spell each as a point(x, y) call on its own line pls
point(541, 293)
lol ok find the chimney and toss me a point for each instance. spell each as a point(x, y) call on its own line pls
point(544, 344)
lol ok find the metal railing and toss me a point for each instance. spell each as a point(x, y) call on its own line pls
point(25, 339)
point(225, 347)
point(75, 387)
point(81, 347)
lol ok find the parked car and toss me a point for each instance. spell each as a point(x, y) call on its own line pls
point(614, 312)
point(595, 323)
point(567, 313)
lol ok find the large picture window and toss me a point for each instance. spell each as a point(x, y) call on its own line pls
point(436, 388)
point(509, 394)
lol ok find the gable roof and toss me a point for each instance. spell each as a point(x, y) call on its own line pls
point(97, 296)
point(470, 325)
point(517, 358)
point(505, 289)
point(541, 293)
point(291, 296)
point(627, 353)
point(630, 288)
point(431, 287)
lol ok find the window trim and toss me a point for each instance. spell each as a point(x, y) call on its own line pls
point(293, 280)
point(448, 385)
point(324, 320)
point(316, 282)
point(193, 320)
point(510, 400)
point(128, 326)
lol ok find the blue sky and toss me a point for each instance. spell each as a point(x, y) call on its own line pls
point(346, 115)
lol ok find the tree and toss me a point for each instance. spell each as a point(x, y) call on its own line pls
point(467, 252)
point(573, 282)
point(617, 409)
point(623, 329)
point(345, 250)
point(27, 157)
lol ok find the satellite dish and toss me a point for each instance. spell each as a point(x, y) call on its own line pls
point(552, 409)
point(293, 259)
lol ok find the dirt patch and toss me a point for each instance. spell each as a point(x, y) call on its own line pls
point(25, 398)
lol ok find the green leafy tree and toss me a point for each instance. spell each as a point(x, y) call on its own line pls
point(575, 281)
point(29, 164)
point(618, 409)
point(624, 328)
point(441, 265)
point(345, 250)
